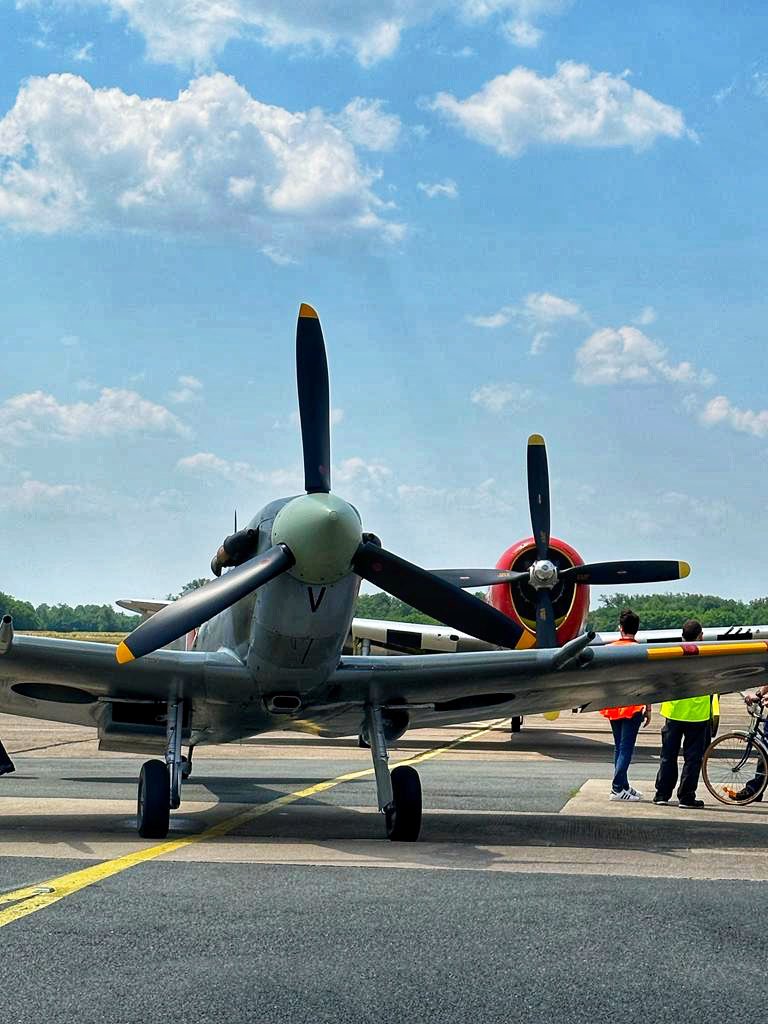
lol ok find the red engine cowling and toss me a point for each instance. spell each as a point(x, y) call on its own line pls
point(517, 600)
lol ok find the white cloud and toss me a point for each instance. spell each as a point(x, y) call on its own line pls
point(366, 124)
point(34, 493)
point(721, 411)
point(523, 33)
point(447, 188)
point(538, 310)
point(189, 390)
point(498, 397)
point(576, 106)
point(626, 355)
point(83, 54)
point(36, 415)
point(484, 498)
point(214, 160)
point(193, 32)
point(760, 81)
point(353, 470)
point(539, 342)
point(646, 316)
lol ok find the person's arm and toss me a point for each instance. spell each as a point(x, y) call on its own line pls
point(647, 714)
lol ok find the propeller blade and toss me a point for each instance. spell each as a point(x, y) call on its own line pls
point(639, 571)
point(538, 493)
point(546, 631)
point(314, 401)
point(478, 577)
point(198, 606)
point(433, 596)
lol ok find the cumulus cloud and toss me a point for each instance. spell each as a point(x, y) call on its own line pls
point(538, 309)
point(720, 410)
point(367, 124)
point(184, 32)
point(576, 106)
point(352, 470)
point(36, 415)
point(448, 189)
point(34, 493)
point(626, 355)
point(189, 390)
point(497, 398)
point(214, 160)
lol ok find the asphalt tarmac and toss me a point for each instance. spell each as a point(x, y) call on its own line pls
point(530, 896)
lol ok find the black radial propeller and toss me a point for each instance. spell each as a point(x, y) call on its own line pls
point(318, 538)
point(543, 575)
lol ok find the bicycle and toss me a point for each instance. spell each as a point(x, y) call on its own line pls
point(735, 766)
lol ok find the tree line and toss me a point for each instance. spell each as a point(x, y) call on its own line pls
point(656, 611)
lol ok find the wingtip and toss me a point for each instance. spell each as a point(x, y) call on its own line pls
point(123, 653)
point(535, 439)
point(307, 311)
point(685, 570)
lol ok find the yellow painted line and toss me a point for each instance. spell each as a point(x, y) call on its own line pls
point(22, 902)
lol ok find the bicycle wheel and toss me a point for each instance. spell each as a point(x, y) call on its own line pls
point(735, 768)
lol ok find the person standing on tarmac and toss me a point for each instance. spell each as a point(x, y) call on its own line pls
point(688, 721)
point(625, 721)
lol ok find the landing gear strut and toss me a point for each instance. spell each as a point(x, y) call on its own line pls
point(160, 782)
point(399, 792)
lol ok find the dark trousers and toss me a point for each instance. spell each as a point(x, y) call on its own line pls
point(694, 737)
point(624, 735)
point(4, 758)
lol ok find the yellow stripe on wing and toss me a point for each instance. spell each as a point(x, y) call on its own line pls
point(712, 650)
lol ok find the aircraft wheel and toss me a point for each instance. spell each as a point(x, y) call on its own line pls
point(154, 805)
point(516, 723)
point(404, 816)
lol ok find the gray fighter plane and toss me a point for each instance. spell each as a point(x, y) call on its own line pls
point(265, 644)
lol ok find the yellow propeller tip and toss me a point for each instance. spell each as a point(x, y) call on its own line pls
point(306, 310)
point(535, 439)
point(123, 653)
point(685, 570)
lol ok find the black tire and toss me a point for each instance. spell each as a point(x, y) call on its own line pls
point(404, 817)
point(731, 763)
point(154, 804)
point(516, 723)
point(186, 767)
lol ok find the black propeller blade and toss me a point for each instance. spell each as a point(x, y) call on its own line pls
point(538, 494)
point(314, 401)
point(638, 571)
point(198, 606)
point(478, 577)
point(433, 596)
point(546, 630)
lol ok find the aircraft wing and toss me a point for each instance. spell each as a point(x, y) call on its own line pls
point(81, 683)
point(530, 681)
point(413, 637)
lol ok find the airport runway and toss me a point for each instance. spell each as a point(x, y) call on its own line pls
point(531, 897)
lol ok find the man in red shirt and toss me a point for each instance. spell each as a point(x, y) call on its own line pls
point(625, 721)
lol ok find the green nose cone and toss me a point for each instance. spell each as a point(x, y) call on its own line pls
point(323, 533)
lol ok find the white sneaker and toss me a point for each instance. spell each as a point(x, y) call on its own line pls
point(625, 794)
point(635, 792)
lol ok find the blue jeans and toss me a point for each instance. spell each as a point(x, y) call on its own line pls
point(624, 735)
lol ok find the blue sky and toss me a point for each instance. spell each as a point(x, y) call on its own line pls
point(512, 216)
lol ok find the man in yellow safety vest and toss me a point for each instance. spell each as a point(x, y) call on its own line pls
point(688, 721)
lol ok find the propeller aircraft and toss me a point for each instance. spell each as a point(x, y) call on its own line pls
point(264, 640)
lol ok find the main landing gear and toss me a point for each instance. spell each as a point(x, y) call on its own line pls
point(160, 781)
point(399, 791)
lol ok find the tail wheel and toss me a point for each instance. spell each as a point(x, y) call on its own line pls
point(516, 723)
point(735, 769)
point(154, 805)
point(404, 816)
